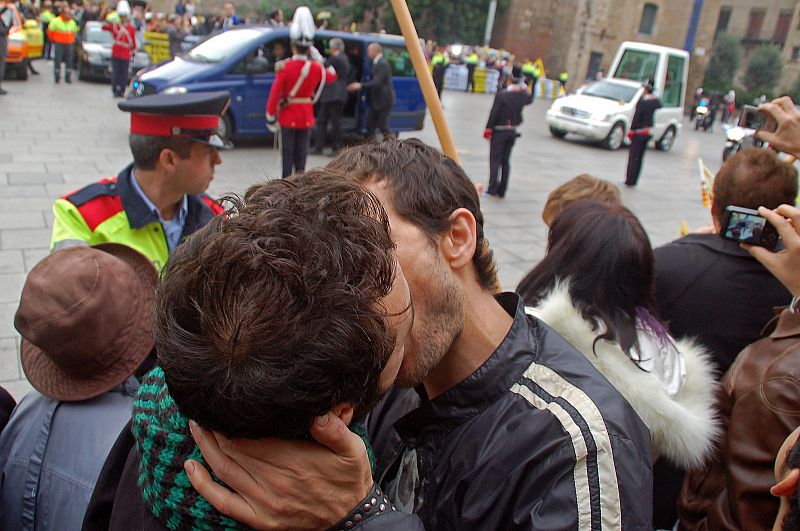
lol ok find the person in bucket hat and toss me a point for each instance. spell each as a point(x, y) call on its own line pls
point(85, 317)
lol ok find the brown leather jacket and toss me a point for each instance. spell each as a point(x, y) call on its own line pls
point(759, 400)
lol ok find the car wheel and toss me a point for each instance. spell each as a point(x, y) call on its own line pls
point(226, 127)
point(558, 133)
point(615, 137)
point(667, 141)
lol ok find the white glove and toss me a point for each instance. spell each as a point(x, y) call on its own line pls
point(315, 55)
point(272, 124)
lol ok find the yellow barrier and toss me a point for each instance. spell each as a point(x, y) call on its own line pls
point(157, 46)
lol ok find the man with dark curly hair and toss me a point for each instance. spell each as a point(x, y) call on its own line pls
point(290, 307)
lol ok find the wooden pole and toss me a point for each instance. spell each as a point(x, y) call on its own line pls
point(425, 79)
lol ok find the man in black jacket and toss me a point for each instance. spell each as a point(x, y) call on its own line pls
point(713, 290)
point(640, 133)
point(381, 91)
point(501, 129)
point(333, 99)
point(496, 421)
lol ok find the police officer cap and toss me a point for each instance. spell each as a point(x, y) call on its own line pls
point(193, 115)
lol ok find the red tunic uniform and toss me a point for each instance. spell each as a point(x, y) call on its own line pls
point(124, 40)
point(296, 112)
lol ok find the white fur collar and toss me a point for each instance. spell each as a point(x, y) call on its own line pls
point(683, 427)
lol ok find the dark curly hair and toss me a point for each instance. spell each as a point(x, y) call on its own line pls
point(425, 187)
point(272, 314)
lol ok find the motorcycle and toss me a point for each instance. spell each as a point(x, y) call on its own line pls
point(738, 138)
point(703, 116)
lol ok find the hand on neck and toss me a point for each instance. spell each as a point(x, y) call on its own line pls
point(155, 186)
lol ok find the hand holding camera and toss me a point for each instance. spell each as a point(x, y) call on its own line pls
point(782, 126)
point(785, 264)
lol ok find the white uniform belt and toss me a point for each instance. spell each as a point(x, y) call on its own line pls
point(505, 128)
point(290, 101)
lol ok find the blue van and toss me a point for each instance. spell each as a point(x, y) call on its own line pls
point(242, 61)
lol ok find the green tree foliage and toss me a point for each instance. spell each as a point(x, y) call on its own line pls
point(725, 58)
point(446, 21)
point(764, 69)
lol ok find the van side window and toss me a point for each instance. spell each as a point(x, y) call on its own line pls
point(398, 57)
point(674, 85)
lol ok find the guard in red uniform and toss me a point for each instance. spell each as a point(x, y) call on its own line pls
point(298, 85)
point(122, 49)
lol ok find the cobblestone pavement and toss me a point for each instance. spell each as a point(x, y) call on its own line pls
point(56, 138)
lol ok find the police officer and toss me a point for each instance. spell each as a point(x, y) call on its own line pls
point(290, 108)
point(639, 134)
point(159, 199)
point(501, 129)
point(472, 62)
point(439, 64)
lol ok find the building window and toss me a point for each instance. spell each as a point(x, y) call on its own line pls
point(795, 54)
point(782, 26)
point(723, 20)
point(755, 23)
point(648, 19)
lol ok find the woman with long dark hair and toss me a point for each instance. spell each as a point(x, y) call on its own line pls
point(595, 287)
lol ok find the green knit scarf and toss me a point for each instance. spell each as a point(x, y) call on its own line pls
point(164, 442)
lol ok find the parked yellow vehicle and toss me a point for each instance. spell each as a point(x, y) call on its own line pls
point(35, 38)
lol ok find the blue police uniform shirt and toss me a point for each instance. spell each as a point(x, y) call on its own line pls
point(173, 228)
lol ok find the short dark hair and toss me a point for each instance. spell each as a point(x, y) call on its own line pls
point(271, 315)
point(426, 188)
point(604, 253)
point(791, 522)
point(147, 148)
point(753, 178)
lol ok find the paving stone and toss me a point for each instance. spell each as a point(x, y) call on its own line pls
point(34, 157)
point(9, 364)
point(7, 311)
point(11, 261)
point(32, 190)
point(11, 287)
point(24, 238)
point(21, 220)
point(33, 178)
point(6, 157)
point(34, 256)
point(27, 167)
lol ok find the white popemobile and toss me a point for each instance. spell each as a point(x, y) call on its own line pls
point(604, 110)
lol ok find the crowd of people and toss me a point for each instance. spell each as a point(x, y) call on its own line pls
point(333, 350)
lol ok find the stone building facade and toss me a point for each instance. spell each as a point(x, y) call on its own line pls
point(765, 22)
point(582, 36)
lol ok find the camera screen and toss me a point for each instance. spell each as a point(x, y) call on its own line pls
point(745, 228)
point(753, 119)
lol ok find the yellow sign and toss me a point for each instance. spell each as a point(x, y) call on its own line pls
point(157, 46)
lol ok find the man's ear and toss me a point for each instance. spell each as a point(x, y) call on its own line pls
point(458, 243)
point(167, 160)
point(788, 485)
point(344, 411)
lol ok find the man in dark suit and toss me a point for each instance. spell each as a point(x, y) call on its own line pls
point(501, 130)
point(333, 99)
point(381, 91)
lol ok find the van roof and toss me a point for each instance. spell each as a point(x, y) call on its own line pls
point(653, 48)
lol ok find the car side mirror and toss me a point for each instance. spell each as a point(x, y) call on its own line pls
point(257, 65)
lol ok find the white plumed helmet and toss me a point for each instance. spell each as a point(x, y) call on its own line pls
point(123, 8)
point(303, 27)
